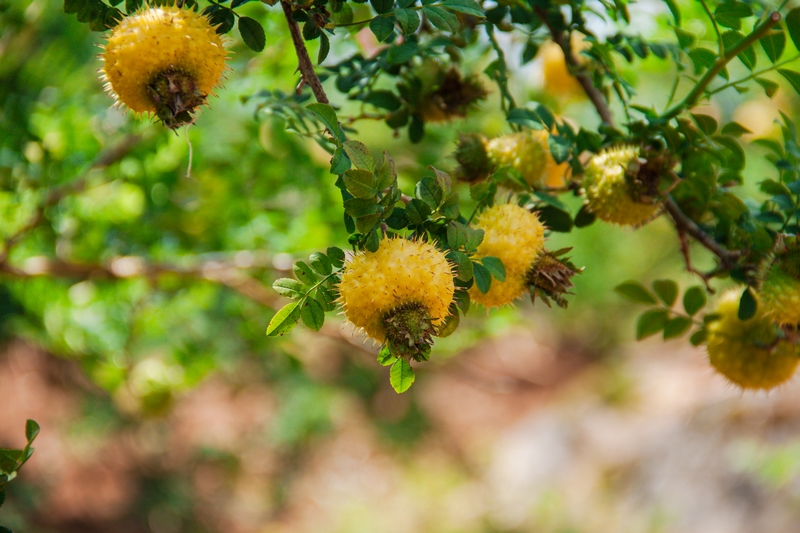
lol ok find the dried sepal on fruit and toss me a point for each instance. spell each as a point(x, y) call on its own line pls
point(621, 187)
point(527, 152)
point(550, 277)
point(780, 290)
point(163, 60)
point(516, 237)
point(399, 294)
point(754, 353)
point(443, 93)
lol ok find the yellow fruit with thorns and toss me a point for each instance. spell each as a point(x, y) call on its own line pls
point(780, 292)
point(527, 152)
point(163, 60)
point(401, 293)
point(516, 237)
point(610, 193)
point(750, 353)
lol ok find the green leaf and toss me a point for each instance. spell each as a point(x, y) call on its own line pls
point(9, 459)
point(747, 305)
point(483, 279)
point(635, 292)
point(584, 217)
point(730, 13)
point(770, 87)
point(650, 323)
point(408, 20)
point(325, 297)
point(313, 314)
point(457, 235)
point(382, 6)
point(792, 76)
point(735, 129)
point(130, 5)
point(304, 273)
point(360, 183)
point(441, 18)
point(327, 116)
point(793, 25)
point(284, 320)
point(339, 161)
point(463, 263)
point(450, 325)
point(676, 327)
point(673, 8)
point(320, 263)
point(401, 376)
point(324, 47)
point(495, 266)
point(666, 290)
point(468, 7)
point(555, 219)
point(698, 337)
point(417, 211)
point(31, 430)
point(397, 55)
point(252, 33)
point(382, 27)
point(774, 44)
point(706, 123)
point(291, 288)
point(429, 191)
point(559, 147)
point(336, 256)
point(385, 357)
point(685, 39)
point(2, 499)
point(730, 39)
point(702, 59)
point(694, 299)
point(359, 154)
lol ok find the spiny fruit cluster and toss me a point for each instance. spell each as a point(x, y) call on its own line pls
point(163, 60)
point(752, 353)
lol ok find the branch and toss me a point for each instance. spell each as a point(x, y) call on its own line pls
point(127, 267)
point(691, 99)
point(305, 66)
point(686, 225)
point(562, 40)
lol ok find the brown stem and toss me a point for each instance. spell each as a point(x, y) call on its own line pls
point(562, 40)
point(305, 66)
point(684, 224)
point(135, 267)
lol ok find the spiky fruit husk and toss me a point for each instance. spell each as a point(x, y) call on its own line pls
point(516, 237)
point(473, 161)
point(163, 60)
point(608, 193)
point(749, 353)
point(780, 292)
point(550, 277)
point(527, 152)
point(400, 275)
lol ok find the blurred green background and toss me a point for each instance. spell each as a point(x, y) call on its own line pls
point(165, 408)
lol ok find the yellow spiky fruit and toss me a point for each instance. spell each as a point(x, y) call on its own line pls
point(608, 193)
point(401, 273)
point(516, 237)
point(749, 352)
point(780, 292)
point(527, 152)
point(163, 60)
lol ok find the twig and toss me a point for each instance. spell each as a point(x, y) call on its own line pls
point(684, 224)
point(697, 91)
point(127, 267)
point(305, 66)
point(562, 40)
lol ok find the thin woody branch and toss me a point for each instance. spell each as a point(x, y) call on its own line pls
point(305, 66)
point(686, 225)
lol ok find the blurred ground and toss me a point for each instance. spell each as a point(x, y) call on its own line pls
point(510, 436)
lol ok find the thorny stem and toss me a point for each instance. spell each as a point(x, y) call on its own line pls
point(562, 40)
point(305, 66)
point(684, 224)
point(697, 91)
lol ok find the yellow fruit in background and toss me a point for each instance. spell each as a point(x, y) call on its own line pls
point(527, 152)
point(557, 79)
point(163, 60)
point(749, 353)
point(400, 274)
point(608, 193)
point(516, 237)
point(780, 292)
